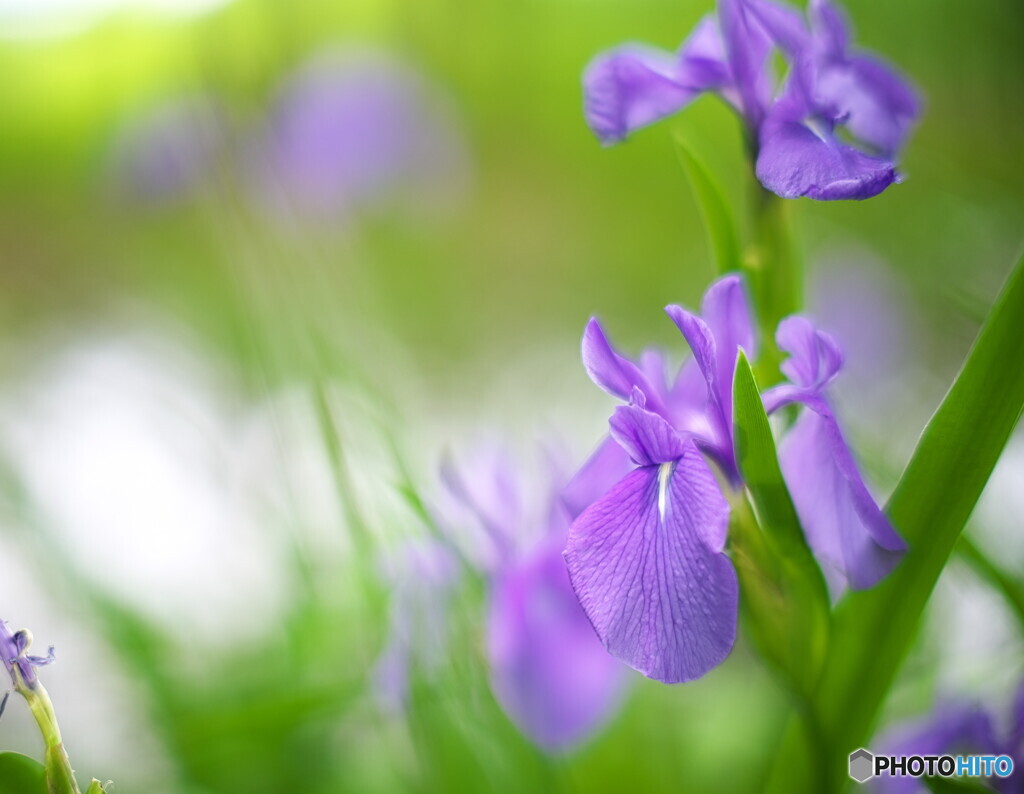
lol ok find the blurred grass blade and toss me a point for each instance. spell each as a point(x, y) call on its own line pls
point(714, 208)
point(20, 774)
point(873, 629)
point(784, 592)
point(1011, 589)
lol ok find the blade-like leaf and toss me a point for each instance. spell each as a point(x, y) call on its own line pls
point(1001, 581)
point(784, 593)
point(715, 210)
point(20, 774)
point(873, 629)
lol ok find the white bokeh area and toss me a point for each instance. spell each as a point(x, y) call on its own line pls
point(50, 18)
point(126, 445)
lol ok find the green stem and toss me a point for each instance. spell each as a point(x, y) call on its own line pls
point(59, 776)
point(775, 275)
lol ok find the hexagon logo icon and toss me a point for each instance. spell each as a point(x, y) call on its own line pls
point(862, 765)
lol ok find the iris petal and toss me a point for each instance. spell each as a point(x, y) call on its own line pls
point(647, 565)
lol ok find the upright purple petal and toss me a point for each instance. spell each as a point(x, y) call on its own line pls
point(796, 160)
point(747, 48)
point(852, 538)
point(705, 354)
point(549, 671)
point(831, 30)
point(814, 357)
point(727, 313)
point(715, 340)
point(615, 374)
point(783, 24)
point(647, 565)
point(633, 86)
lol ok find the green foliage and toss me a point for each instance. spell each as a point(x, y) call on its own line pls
point(874, 629)
point(20, 774)
point(784, 593)
point(718, 216)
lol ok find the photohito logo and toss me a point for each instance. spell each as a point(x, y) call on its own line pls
point(865, 765)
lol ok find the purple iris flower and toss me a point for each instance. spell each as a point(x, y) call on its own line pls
point(13, 647)
point(548, 669)
point(795, 128)
point(356, 128)
point(956, 728)
point(171, 151)
point(647, 559)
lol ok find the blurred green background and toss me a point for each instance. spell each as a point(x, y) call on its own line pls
point(283, 380)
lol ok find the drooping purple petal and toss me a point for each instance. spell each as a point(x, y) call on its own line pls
point(876, 103)
point(803, 158)
point(633, 86)
point(549, 671)
point(852, 538)
point(647, 565)
point(878, 107)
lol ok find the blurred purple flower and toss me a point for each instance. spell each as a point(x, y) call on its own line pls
point(170, 151)
point(794, 129)
point(12, 648)
point(353, 128)
point(421, 576)
point(956, 728)
point(548, 669)
point(647, 558)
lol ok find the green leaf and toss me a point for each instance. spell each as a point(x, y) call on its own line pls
point(96, 788)
point(874, 629)
point(20, 774)
point(784, 593)
point(714, 208)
